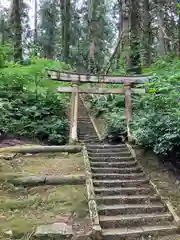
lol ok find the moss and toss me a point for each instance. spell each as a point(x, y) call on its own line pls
point(43, 164)
point(41, 205)
point(22, 209)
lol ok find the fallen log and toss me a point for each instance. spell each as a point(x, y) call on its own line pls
point(42, 149)
point(48, 180)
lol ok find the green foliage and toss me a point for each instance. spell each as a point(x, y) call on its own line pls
point(105, 104)
point(111, 107)
point(178, 6)
point(28, 107)
point(115, 122)
point(4, 51)
point(157, 116)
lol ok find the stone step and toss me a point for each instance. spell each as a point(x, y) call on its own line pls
point(126, 199)
point(110, 159)
point(87, 135)
point(108, 150)
point(86, 118)
point(89, 132)
point(114, 164)
point(120, 183)
point(116, 170)
point(112, 210)
point(118, 176)
point(101, 191)
point(86, 129)
point(137, 232)
point(84, 122)
point(89, 140)
point(105, 146)
point(91, 137)
point(135, 220)
point(109, 154)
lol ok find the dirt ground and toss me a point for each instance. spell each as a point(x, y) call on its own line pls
point(43, 164)
point(22, 209)
point(167, 182)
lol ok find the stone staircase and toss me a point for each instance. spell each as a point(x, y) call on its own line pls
point(128, 206)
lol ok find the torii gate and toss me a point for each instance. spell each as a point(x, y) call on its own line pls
point(78, 79)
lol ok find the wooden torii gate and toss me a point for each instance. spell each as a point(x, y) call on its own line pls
point(78, 79)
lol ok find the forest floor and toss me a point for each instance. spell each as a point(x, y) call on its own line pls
point(165, 179)
point(22, 209)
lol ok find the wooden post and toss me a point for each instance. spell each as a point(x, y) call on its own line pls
point(102, 82)
point(128, 108)
point(74, 114)
point(71, 115)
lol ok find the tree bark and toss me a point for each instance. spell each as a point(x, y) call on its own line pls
point(51, 44)
point(147, 34)
point(42, 149)
point(96, 9)
point(178, 45)
point(17, 28)
point(135, 58)
point(114, 54)
point(35, 27)
point(118, 50)
point(2, 31)
point(162, 48)
point(48, 180)
point(65, 28)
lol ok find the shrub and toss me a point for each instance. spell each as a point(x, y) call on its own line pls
point(156, 114)
point(28, 105)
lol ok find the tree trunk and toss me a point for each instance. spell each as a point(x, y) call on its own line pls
point(147, 34)
point(120, 7)
point(91, 27)
point(35, 27)
point(178, 45)
point(48, 180)
point(96, 9)
point(42, 149)
point(52, 32)
point(62, 26)
point(125, 45)
point(135, 59)
point(162, 48)
point(2, 31)
point(65, 28)
point(17, 28)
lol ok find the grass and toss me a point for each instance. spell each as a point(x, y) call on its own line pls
point(45, 164)
point(22, 209)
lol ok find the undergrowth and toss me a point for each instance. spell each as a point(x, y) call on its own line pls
point(156, 114)
point(28, 103)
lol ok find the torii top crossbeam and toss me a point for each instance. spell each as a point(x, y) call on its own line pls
point(86, 78)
